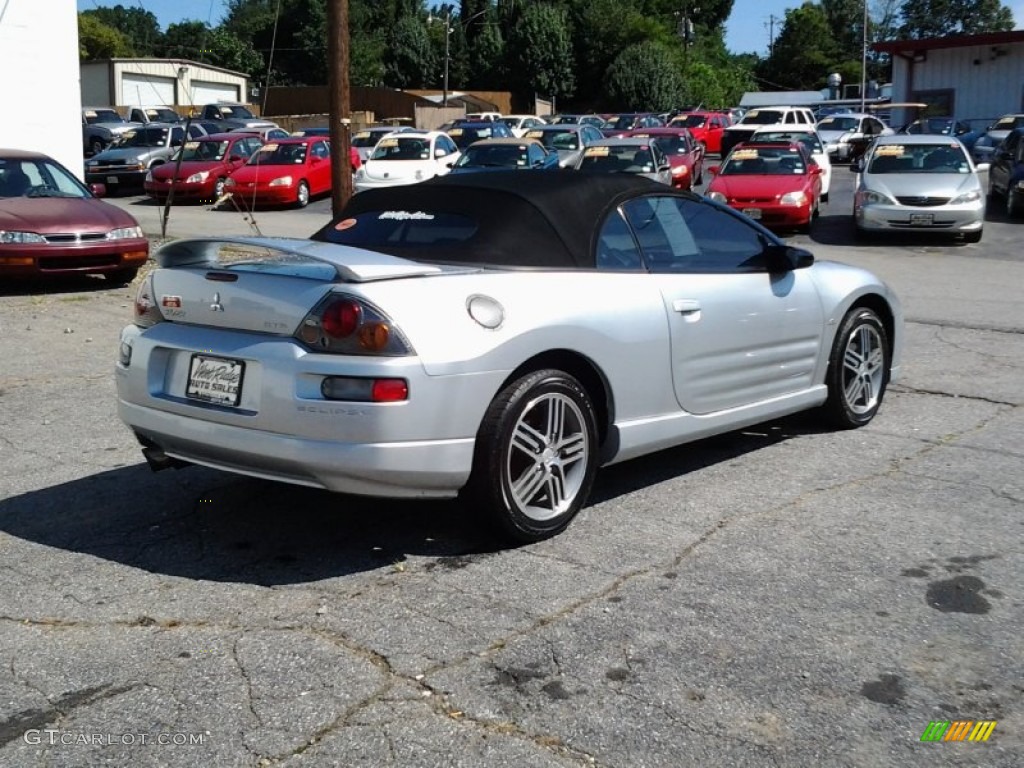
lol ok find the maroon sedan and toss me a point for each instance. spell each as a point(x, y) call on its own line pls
point(289, 171)
point(51, 224)
point(685, 155)
point(206, 164)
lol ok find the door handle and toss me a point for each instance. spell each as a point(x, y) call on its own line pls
point(686, 306)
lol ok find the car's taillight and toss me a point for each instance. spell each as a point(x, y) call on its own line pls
point(363, 390)
point(350, 326)
point(146, 311)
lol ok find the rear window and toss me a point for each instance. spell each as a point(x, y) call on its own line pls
point(395, 228)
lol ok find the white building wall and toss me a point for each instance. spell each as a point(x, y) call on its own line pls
point(39, 87)
point(985, 84)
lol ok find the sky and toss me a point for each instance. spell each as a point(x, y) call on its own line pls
point(747, 29)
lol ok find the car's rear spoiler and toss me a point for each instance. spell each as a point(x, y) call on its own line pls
point(352, 265)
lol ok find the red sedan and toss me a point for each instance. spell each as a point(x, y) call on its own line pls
point(685, 156)
point(205, 166)
point(287, 171)
point(51, 224)
point(706, 127)
point(778, 185)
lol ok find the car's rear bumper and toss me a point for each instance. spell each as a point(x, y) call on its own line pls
point(284, 429)
point(182, 190)
point(119, 178)
point(87, 258)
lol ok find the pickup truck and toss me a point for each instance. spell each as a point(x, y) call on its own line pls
point(126, 163)
point(146, 115)
point(228, 117)
point(100, 127)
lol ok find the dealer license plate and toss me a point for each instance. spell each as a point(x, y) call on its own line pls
point(754, 213)
point(111, 179)
point(215, 380)
point(921, 219)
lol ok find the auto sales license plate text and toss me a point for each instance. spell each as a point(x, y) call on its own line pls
point(921, 219)
point(754, 213)
point(215, 380)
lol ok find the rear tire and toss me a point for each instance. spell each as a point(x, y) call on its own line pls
point(858, 370)
point(1013, 204)
point(536, 456)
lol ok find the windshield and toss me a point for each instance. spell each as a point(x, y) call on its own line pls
point(464, 136)
point(620, 158)
point(237, 111)
point(204, 150)
point(38, 177)
point(838, 124)
point(762, 117)
point(494, 156)
point(947, 157)
point(809, 140)
point(763, 161)
point(144, 137)
point(279, 154)
point(367, 139)
point(670, 144)
point(692, 121)
point(102, 116)
point(402, 148)
point(1008, 123)
point(567, 140)
point(624, 122)
point(162, 115)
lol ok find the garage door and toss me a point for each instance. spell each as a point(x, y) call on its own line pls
point(208, 93)
point(146, 90)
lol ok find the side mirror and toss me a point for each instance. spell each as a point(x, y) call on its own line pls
point(100, 190)
point(439, 152)
point(983, 167)
point(714, 169)
point(786, 258)
point(857, 166)
point(235, 159)
point(664, 168)
point(815, 169)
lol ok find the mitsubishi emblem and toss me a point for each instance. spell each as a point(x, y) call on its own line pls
point(216, 306)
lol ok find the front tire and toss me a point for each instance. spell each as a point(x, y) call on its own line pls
point(858, 369)
point(536, 455)
point(302, 195)
point(218, 188)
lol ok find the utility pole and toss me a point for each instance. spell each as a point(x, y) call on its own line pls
point(339, 104)
point(772, 18)
point(864, 60)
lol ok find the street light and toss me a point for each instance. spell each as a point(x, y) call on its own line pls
point(446, 16)
point(446, 11)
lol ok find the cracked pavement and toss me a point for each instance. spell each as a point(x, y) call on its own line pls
point(779, 596)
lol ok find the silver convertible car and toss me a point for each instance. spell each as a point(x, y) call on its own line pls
point(494, 336)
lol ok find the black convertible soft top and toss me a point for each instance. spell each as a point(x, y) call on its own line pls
point(508, 218)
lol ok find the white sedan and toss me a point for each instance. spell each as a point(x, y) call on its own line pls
point(406, 157)
point(810, 139)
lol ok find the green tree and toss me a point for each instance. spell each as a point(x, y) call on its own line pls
point(410, 58)
point(139, 27)
point(939, 18)
point(98, 41)
point(540, 52)
point(486, 58)
point(846, 25)
point(646, 76)
point(804, 53)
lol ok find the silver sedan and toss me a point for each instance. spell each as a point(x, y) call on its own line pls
point(919, 183)
point(495, 335)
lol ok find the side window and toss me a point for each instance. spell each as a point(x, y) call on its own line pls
point(616, 248)
point(664, 238)
point(177, 137)
point(680, 235)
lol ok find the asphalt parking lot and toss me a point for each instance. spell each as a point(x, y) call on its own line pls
point(784, 595)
